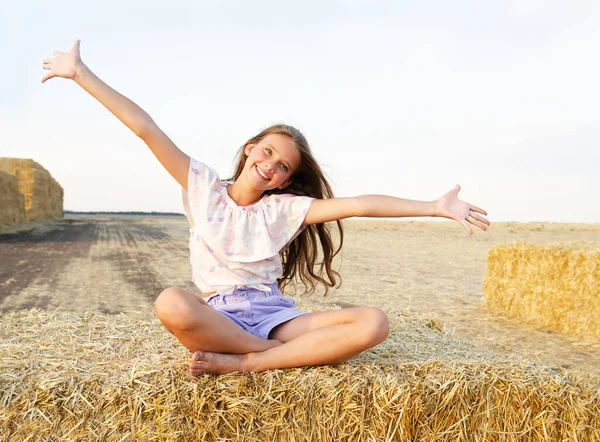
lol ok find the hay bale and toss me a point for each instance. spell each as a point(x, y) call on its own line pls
point(12, 203)
point(43, 196)
point(555, 287)
point(100, 377)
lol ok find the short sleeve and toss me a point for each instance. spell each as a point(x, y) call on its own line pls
point(203, 182)
point(285, 222)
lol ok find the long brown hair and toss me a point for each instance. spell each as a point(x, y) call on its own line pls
point(299, 258)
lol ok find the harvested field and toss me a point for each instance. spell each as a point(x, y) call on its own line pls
point(111, 264)
point(91, 264)
point(445, 351)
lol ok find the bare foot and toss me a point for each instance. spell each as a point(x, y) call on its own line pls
point(205, 362)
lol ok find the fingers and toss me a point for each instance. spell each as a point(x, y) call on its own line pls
point(455, 190)
point(479, 218)
point(47, 65)
point(473, 208)
point(47, 76)
point(466, 226)
point(75, 46)
point(477, 209)
point(476, 222)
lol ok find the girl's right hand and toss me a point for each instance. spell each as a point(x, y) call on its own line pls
point(64, 64)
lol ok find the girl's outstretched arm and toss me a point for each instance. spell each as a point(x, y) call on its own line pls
point(69, 65)
point(383, 206)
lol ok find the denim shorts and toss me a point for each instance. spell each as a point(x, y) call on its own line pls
point(258, 312)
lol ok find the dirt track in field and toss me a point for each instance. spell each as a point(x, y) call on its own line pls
point(85, 263)
point(111, 264)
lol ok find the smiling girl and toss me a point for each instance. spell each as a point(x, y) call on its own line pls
point(253, 234)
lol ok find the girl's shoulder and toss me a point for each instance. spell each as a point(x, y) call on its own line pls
point(200, 173)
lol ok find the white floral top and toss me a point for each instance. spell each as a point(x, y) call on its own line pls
point(233, 246)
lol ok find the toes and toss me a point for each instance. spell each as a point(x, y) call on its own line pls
point(198, 364)
point(197, 369)
point(197, 356)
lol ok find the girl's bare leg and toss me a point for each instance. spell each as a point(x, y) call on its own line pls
point(312, 339)
point(200, 327)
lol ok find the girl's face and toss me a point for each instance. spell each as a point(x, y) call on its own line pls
point(272, 162)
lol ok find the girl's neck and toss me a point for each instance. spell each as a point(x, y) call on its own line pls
point(243, 196)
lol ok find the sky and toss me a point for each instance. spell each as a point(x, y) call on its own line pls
point(403, 98)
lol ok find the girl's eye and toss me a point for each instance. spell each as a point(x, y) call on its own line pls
point(268, 150)
point(284, 167)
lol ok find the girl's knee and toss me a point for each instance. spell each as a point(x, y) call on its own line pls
point(173, 307)
point(166, 300)
point(377, 326)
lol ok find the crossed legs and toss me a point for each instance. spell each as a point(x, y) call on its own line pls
point(220, 346)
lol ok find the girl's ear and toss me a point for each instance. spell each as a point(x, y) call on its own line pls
point(249, 148)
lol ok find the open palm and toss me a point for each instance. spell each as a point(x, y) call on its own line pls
point(64, 64)
point(449, 206)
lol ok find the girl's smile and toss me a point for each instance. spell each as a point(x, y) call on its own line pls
point(261, 173)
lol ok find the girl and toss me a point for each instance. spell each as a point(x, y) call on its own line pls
point(253, 234)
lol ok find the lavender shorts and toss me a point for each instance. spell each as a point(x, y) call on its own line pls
point(256, 311)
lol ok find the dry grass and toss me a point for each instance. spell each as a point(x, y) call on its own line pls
point(100, 377)
point(556, 287)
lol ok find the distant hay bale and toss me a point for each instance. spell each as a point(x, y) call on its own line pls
point(100, 377)
point(12, 202)
point(43, 195)
point(554, 286)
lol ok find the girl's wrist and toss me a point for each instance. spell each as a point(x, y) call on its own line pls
point(79, 71)
point(435, 208)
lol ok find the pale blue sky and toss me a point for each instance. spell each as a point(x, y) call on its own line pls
point(400, 98)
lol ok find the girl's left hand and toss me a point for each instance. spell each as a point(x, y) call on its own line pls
point(449, 206)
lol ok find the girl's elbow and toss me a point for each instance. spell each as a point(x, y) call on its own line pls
point(360, 207)
point(144, 128)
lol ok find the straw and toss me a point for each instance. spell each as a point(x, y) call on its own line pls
point(43, 195)
point(555, 287)
point(12, 203)
point(99, 377)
